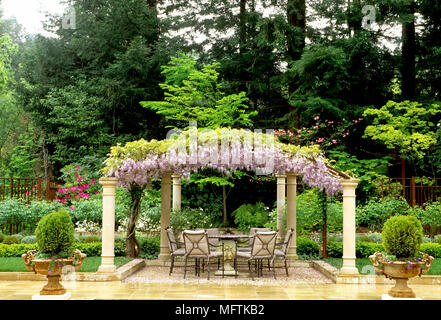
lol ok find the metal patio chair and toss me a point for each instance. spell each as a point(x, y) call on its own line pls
point(174, 246)
point(263, 248)
point(283, 251)
point(197, 246)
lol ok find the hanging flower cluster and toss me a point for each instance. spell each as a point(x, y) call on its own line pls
point(225, 150)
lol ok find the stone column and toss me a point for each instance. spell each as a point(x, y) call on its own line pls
point(108, 231)
point(281, 185)
point(164, 252)
point(291, 212)
point(349, 267)
point(176, 192)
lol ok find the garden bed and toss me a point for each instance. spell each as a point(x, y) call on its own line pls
point(362, 263)
point(90, 264)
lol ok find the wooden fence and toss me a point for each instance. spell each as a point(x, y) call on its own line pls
point(415, 190)
point(27, 189)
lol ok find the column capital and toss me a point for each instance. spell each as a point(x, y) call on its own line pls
point(176, 176)
point(108, 181)
point(291, 174)
point(349, 182)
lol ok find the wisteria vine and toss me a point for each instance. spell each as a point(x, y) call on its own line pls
point(225, 150)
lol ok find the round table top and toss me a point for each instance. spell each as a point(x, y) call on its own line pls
point(230, 236)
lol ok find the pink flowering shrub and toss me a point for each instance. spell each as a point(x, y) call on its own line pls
point(79, 185)
point(325, 133)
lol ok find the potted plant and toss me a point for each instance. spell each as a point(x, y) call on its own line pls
point(402, 237)
point(55, 237)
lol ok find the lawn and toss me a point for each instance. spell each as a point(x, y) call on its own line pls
point(90, 264)
point(364, 264)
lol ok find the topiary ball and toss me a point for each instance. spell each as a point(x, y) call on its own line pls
point(55, 233)
point(402, 236)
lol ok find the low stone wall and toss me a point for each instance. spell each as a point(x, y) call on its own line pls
point(332, 273)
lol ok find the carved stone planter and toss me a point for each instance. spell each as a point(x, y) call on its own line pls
point(401, 272)
point(52, 269)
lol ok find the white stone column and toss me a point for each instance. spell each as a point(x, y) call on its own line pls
point(108, 231)
point(176, 192)
point(281, 193)
point(164, 252)
point(349, 267)
point(291, 212)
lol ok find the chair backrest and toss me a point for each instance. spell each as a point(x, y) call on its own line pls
point(264, 244)
point(254, 230)
point(287, 240)
point(171, 239)
point(196, 243)
point(212, 232)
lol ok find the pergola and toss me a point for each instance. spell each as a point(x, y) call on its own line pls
point(225, 150)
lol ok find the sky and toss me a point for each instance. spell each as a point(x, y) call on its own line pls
point(30, 13)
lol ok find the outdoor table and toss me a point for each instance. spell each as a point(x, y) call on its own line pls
point(229, 240)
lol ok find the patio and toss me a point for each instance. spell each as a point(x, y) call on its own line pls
point(204, 290)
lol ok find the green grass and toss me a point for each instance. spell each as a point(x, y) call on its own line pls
point(90, 264)
point(435, 268)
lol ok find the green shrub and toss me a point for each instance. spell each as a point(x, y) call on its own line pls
point(307, 246)
point(429, 216)
point(92, 238)
point(376, 212)
point(88, 210)
point(335, 249)
point(402, 236)
point(335, 237)
point(91, 249)
point(250, 215)
point(365, 249)
point(2, 237)
point(433, 249)
point(189, 218)
point(150, 247)
point(55, 233)
point(15, 250)
point(436, 239)
point(376, 237)
point(29, 239)
point(308, 212)
point(11, 239)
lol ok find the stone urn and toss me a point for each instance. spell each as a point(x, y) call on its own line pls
point(52, 269)
point(401, 272)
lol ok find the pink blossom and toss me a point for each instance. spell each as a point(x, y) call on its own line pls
point(97, 192)
point(78, 168)
point(334, 141)
point(72, 208)
point(63, 200)
point(316, 117)
point(92, 181)
point(60, 191)
point(67, 196)
point(76, 175)
point(73, 188)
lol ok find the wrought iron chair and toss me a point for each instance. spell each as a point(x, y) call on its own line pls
point(174, 246)
point(251, 238)
point(197, 246)
point(264, 244)
point(283, 251)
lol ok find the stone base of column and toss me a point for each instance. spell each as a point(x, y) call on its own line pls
point(104, 268)
point(349, 267)
point(164, 257)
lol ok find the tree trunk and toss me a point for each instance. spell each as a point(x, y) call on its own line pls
point(408, 83)
point(325, 225)
point(296, 15)
point(224, 204)
point(132, 245)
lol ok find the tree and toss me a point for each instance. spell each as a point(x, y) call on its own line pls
point(406, 127)
point(191, 94)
